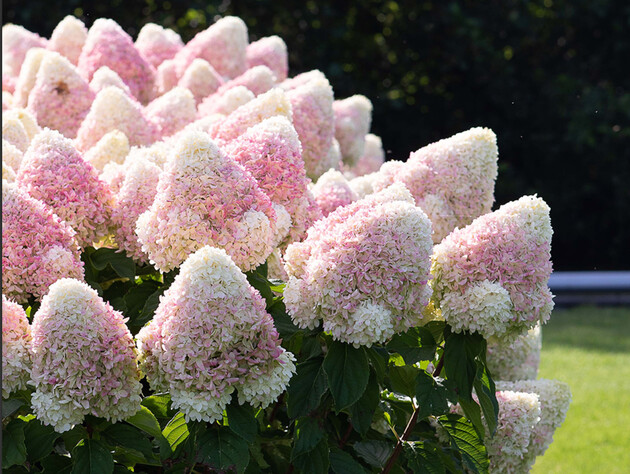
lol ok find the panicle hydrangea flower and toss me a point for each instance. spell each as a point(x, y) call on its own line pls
point(225, 103)
point(113, 147)
point(105, 77)
point(135, 196)
point(517, 360)
point(157, 44)
point(84, 359)
point(114, 110)
point(8, 82)
point(201, 79)
point(275, 266)
point(372, 159)
point(172, 111)
point(156, 153)
point(363, 269)
point(28, 74)
point(272, 153)
point(13, 131)
point(107, 44)
point(7, 173)
point(113, 175)
point(269, 104)
point(38, 248)
point(16, 355)
point(60, 98)
point(11, 155)
point(270, 51)
point(210, 336)
point(54, 172)
point(28, 121)
point(332, 191)
point(331, 160)
point(452, 180)
point(205, 198)
point(313, 118)
point(364, 185)
point(166, 76)
point(223, 45)
point(258, 79)
point(353, 117)
point(68, 38)
point(7, 101)
point(555, 398)
point(492, 275)
point(16, 41)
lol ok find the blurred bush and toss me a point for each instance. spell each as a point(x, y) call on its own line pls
point(550, 77)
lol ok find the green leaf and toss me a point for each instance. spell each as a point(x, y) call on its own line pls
point(282, 321)
point(13, 447)
point(315, 461)
point(308, 433)
point(378, 360)
point(306, 388)
point(223, 449)
point(403, 379)
point(347, 372)
point(176, 431)
point(431, 396)
point(374, 452)
point(120, 263)
point(414, 345)
point(159, 405)
point(74, 436)
point(136, 297)
point(92, 457)
point(242, 421)
point(460, 351)
point(55, 464)
point(258, 279)
point(436, 328)
point(40, 440)
point(486, 393)
point(146, 421)
point(10, 406)
point(311, 347)
point(362, 412)
point(473, 413)
point(129, 437)
point(464, 438)
point(343, 463)
point(424, 457)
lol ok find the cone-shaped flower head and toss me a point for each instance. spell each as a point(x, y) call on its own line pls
point(172, 111)
point(16, 41)
point(54, 172)
point(332, 190)
point(270, 51)
point(353, 117)
point(157, 44)
point(516, 360)
point(201, 79)
point(13, 131)
point(313, 118)
point(223, 45)
point(28, 75)
point(84, 359)
point(210, 336)
point(491, 277)
point(7, 173)
point(156, 153)
point(68, 38)
point(105, 77)
point(363, 270)
point(364, 185)
point(272, 153)
point(269, 104)
point(112, 148)
point(26, 118)
point(11, 155)
point(225, 103)
point(113, 175)
point(372, 159)
point(60, 98)
point(8, 82)
point(555, 398)
point(38, 248)
point(205, 198)
point(114, 110)
point(166, 76)
point(452, 180)
point(135, 196)
point(16, 340)
point(108, 45)
point(7, 101)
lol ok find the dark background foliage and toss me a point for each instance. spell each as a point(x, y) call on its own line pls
point(550, 77)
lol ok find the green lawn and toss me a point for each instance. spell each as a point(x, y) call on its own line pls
point(589, 348)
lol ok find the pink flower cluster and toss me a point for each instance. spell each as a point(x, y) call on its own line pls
point(16, 341)
point(353, 117)
point(270, 51)
point(515, 360)
point(371, 160)
point(84, 359)
point(37, 247)
point(211, 336)
point(157, 44)
point(332, 190)
point(363, 270)
point(491, 276)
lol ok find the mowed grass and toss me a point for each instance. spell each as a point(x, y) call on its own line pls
point(588, 347)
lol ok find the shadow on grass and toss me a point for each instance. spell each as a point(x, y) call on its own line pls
point(604, 329)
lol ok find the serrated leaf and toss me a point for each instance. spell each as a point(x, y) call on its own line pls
point(159, 405)
point(486, 393)
point(315, 461)
point(146, 421)
point(403, 379)
point(460, 351)
point(436, 328)
point(55, 464)
point(13, 447)
point(306, 388)
point(464, 438)
point(311, 347)
point(362, 412)
point(378, 360)
point(120, 263)
point(431, 396)
point(92, 457)
point(424, 457)
point(473, 413)
point(258, 280)
point(129, 437)
point(10, 406)
point(74, 436)
point(414, 345)
point(308, 433)
point(343, 463)
point(176, 431)
point(39, 439)
point(242, 421)
point(347, 372)
point(374, 452)
point(282, 321)
point(223, 449)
